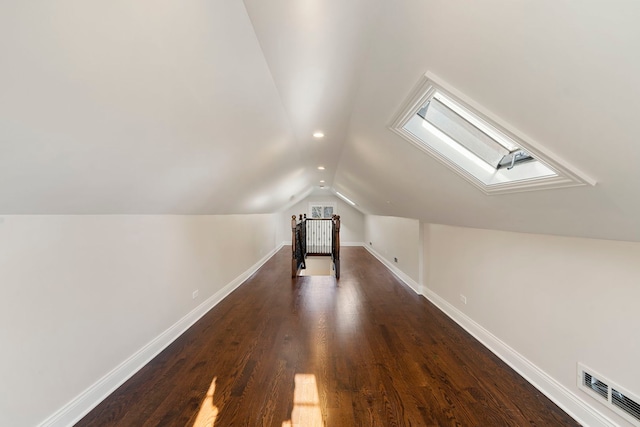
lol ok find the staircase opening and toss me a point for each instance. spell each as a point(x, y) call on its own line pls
point(315, 244)
point(317, 266)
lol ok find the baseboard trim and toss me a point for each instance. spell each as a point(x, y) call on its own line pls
point(351, 244)
point(568, 401)
point(81, 405)
point(415, 287)
point(559, 394)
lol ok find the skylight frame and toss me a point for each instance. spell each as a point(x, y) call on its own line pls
point(428, 86)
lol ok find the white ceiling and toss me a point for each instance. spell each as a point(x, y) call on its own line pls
point(208, 106)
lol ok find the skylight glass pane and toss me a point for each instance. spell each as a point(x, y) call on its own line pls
point(453, 145)
point(480, 124)
point(463, 132)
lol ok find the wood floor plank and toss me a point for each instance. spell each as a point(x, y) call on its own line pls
point(364, 351)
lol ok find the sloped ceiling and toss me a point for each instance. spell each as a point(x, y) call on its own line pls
point(140, 107)
point(208, 106)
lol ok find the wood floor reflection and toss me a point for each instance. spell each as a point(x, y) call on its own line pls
point(375, 353)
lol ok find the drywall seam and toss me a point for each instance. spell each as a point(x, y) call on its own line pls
point(559, 394)
point(396, 271)
point(78, 407)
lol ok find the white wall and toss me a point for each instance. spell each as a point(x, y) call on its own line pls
point(555, 300)
point(393, 237)
point(543, 303)
point(351, 219)
point(80, 294)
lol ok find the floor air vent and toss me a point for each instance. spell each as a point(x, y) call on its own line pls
point(609, 394)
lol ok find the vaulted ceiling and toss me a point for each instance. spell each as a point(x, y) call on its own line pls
point(119, 107)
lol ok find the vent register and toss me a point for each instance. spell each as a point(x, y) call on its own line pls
point(610, 394)
point(439, 121)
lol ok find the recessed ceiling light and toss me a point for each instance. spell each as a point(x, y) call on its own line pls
point(318, 135)
point(321, 168)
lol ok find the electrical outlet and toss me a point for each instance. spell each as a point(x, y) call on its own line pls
point(195, 294)
point(463, 299)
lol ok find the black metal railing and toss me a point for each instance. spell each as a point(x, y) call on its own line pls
point(335, 247)
point(319, 236)
point(301, 252)
point(298, 244)
point(315, 237)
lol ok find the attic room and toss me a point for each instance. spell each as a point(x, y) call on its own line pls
point(153, 153)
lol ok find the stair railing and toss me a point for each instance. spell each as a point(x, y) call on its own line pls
point(312, 236)
point(298, 244)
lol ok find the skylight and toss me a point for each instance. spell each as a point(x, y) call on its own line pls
point(345, 198)
point(476, 146)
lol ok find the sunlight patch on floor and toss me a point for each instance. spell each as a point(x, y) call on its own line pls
point(208, 411)
point(317, 266)
point(306, 403)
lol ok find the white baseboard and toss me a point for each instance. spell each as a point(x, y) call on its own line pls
point(573, 405)
point(77, 408)
point(395, 270)
point(569, 402)
point(351, 244)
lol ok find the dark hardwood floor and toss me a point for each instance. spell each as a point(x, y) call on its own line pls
point(365, 351)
